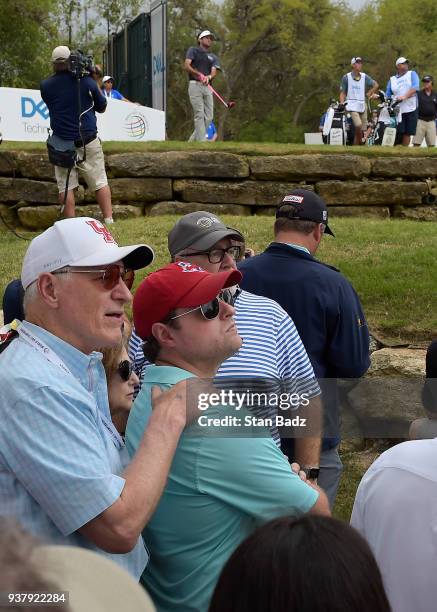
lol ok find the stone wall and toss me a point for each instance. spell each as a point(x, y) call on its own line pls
point(146, 183)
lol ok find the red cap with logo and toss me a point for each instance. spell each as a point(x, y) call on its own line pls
point(177, 285)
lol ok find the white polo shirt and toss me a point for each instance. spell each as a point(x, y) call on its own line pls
point(396, 511)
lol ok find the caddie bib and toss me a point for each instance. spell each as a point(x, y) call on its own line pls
point(356, 93)
point(399, 86)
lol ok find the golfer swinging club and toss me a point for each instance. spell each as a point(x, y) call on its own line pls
point(201, 66)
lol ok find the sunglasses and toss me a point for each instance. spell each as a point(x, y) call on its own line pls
point(218, 255)
point(125, 369)
point(110, 275)
point(211, 309)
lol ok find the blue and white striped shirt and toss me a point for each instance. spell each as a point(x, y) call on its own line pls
point(272, 357)
point(59, 466)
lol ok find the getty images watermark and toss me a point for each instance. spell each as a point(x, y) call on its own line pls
point(260, 409)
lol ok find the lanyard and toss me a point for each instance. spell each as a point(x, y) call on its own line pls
point(52, 357)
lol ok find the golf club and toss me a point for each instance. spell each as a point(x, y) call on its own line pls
point(228, 105)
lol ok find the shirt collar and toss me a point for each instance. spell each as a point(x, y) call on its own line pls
point(299, 247)
point(165, 374)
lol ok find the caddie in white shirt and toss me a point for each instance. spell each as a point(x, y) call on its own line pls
point(404, 86)
point(353, 91)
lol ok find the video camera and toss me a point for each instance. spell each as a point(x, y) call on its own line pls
point(79, 64)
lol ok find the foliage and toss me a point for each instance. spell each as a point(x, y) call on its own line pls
point(282, 60)
point(26, 30)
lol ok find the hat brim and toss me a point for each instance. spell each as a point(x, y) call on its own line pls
point(208, 288)
point(93, 582)
point(210, 239)
point(329, 231)
point(135, 257)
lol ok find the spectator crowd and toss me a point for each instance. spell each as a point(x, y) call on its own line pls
point(121, 443)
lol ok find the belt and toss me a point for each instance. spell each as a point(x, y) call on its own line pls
point(86, 140)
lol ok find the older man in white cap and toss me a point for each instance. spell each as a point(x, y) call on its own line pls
point(353, 91)
point(201, 66)
point(72, 105)
point(64, 470)
point(404, 86)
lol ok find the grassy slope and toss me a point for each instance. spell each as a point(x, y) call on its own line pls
point(391, 263)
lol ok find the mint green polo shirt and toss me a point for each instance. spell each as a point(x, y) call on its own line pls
point(218, 491)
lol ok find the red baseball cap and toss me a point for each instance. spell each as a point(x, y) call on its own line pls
point(177, 285)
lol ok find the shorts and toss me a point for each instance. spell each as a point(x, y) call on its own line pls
point(409, 123)
point(425, 129)
point(93, 170)
point(359, 119)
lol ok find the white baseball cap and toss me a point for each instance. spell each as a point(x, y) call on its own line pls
point(401, 60)
point(60, 54)
point(107, 78)
point(93, 582)
point(205, 33)
point(80, 241)
point(356, 59)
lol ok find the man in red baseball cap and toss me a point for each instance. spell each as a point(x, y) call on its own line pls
point(186, 318)
point(225, 476)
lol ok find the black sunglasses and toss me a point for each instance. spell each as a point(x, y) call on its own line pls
point(125, 369)
point(211, 309)
point(218, 255)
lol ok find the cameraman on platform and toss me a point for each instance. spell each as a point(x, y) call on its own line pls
point(60, 93)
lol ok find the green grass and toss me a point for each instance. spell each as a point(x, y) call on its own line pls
point(391, 264)
point(243, 148)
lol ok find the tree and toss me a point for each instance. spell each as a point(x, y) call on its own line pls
point(26, 32)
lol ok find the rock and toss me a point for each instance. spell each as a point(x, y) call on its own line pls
point(12, 190)
point(8, 165)
point(371, 193)
point(418, 213)
point(9, 215)
point(251, 193)
point(38, 217)
point(389, 397)
point(381, 212)
point(42, 217)
point(397, 362)
point(137, 190)
point(292, 167)
point(35, 166)
point(173, 164)
point(182, 208)
point(406, 167)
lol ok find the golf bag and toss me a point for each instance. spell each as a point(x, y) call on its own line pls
point(384, 130)
point(337, 128)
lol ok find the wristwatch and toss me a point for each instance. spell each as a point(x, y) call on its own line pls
point(312, 473)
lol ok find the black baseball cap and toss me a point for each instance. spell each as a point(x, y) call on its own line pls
point(427, 78)
point(304, 205)
point(200, 231)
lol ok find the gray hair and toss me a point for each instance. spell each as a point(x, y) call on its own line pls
point(31, 293)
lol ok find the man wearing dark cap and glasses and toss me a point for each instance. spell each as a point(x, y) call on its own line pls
point(324, 306)
point(64, 466)
point(272, 356)
point(353, 91)
point(427, 100)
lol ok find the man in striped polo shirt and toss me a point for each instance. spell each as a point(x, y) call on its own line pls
point(272, 357)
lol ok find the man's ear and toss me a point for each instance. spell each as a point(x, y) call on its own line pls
point(48, 288)
point(318, 232)
point(164, 335)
